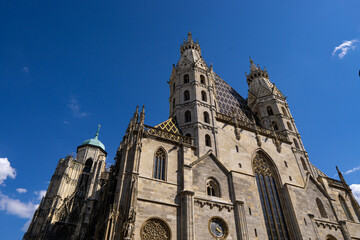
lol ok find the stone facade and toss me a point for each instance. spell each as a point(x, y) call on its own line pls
point(221, 167)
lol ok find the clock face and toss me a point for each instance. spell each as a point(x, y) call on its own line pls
point(218, 228)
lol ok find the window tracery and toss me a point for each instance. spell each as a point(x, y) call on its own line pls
point(269, 111)
point(345, 208)
point(321, 208)
point(155, 228)
point(202, 79)
point(206, 117)
point(203, 96)
point(269, 197)
point(186, 78)
point(186, 95)
point(212, 188)
point(159, 164)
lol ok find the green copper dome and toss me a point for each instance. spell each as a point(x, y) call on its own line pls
point(95, 141)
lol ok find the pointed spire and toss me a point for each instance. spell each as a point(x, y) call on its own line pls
point(142, 115)
point(136, 115)
point(189, 39)
point(252, 65)
point(97, 132)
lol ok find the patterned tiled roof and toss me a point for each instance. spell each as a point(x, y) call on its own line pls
point(229, 101)
point(169, 126)
point(317, 171)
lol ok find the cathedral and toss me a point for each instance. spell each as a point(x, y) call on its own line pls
point(220, 167)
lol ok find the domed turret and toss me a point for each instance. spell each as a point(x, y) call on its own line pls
point(94, 141)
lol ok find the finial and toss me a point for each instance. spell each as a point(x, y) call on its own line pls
point(251, 61)
point(189, 39)
point(97, 132)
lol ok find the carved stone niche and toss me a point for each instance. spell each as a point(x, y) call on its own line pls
point(155, 229)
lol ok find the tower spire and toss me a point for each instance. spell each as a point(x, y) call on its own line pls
point(97, 132)
point(252, 65)
point(189, 44)
point(189, 39)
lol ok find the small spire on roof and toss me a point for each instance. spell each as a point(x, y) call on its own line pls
point(97, 132)
point(189, 39)
point(252, 65)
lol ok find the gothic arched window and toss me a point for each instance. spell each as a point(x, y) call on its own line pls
point(345, 208)
point(206, 117)
point(207, 140)
point(269, 111)
point(159, 164)
point(289, 126)
point(284, 111)
point(303, 164)
point(321, 208)
point(202, 79)
point(275, 126)
point(188, 135)
point(203, 96)
point(212, 188)
point(187, 116)
point(330, 237)
point(186, 95)
point(296, 143)
point(269, 197)
point(186, 78)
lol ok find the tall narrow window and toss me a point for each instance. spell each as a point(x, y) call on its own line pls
point(206, 117)
point(321, 208)
point(186, 95)
point(275, 126)
point(187, 116)
point(269, 197)
point(212, 188)
point(207, 140)
point(88, 165)
point(173, 103)
point(173, 87)
point(159, 164)
point(296, 143)
point(289, 126)
point(269, 111)
point(284, 111)
point(186, 78)
point(203, 96)
point(345, 208)
point(202, 79)
point(303, 164)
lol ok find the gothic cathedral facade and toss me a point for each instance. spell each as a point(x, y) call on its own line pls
point(221, 167)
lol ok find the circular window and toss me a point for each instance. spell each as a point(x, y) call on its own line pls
point(155, 228)
point(218, 228)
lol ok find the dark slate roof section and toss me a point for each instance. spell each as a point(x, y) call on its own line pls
point(229, 99)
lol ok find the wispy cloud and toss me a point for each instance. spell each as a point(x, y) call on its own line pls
point(21, 190)
point(40, 194)
point(16, 207)
point(352, 170)
point(25, 70)
point(6, 170)
point(76, 108)
point(356, 191)
point(343, 48)
point(65, 122)
point(26, 226)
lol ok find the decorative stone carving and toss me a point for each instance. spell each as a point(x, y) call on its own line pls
point(155, 229)
point(261, 166)
point(220, 206)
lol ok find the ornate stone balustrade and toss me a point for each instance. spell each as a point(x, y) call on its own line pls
point(327, 224)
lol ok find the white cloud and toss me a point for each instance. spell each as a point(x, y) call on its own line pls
point(21, 190)
point(40, 194)
point(16, 207)
point(356, 191)
point(352, 170)
point(26, 226)
point(344, 48)
point(6, 170)
point(25, 70)
point(75, 108)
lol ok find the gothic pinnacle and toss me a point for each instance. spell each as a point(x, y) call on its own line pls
point(189, 39)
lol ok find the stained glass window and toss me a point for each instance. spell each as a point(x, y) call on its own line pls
point(270, 201)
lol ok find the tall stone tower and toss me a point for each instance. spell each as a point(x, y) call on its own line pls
point(72, 195)
point(192, 97)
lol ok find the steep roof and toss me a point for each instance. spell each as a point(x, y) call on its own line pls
point(229, 100)
point(169, 126)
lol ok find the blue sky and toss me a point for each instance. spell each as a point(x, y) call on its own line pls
point(66, 66)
